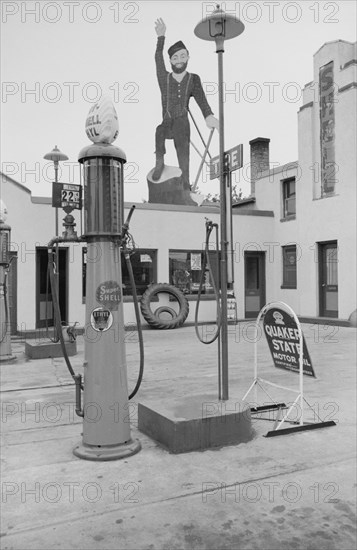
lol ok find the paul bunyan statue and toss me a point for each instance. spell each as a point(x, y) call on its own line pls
point(177, 87)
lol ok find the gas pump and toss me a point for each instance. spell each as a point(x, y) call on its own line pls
point(106, 426)
point(105, 410)
point(5, 337)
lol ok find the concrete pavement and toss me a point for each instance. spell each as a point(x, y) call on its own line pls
point(289, 492)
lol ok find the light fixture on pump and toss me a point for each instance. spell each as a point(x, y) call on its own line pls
point(106, 429)
point(218, 27)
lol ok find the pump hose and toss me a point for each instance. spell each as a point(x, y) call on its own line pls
point(4, 332)
point(6, 301)
point(57, 315)
point(54, 340)
point(138, 322)
point(206, 261)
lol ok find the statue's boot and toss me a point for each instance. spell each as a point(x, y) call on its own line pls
point(156, 175)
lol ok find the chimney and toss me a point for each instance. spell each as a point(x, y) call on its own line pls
point(259, 160)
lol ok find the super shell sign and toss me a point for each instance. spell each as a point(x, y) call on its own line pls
point(102, 124)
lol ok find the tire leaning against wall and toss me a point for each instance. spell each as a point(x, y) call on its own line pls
point(152, 318)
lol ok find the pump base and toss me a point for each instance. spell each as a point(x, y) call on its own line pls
point(43, 350)
point(196, 422)
point(107, 452)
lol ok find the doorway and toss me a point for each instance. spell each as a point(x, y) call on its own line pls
point(254, 286)
point(44, 301)
point(328, 279)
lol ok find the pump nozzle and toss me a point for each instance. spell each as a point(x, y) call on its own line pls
point(125, 228)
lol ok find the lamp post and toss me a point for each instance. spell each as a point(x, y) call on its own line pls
point(220, 26)
point(56, 156)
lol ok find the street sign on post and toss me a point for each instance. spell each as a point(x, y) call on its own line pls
point(66, 195)
point(233, 157)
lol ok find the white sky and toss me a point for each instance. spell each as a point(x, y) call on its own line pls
point(58, 56)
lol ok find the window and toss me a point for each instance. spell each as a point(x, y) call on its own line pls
point(289, 266)
point(143, 262)
point(331, 260)
point(289, 198)
point(185, 269)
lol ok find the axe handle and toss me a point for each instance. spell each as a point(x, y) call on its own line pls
point(203, 160)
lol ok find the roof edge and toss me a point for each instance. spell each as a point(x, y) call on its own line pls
point(18, 184)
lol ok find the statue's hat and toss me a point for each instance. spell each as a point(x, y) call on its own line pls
point(175, 48)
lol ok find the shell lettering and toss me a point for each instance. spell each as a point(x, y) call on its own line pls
point(102, 124)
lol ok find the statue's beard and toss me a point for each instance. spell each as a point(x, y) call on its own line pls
point(179, 70)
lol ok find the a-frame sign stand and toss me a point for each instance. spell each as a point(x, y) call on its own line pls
point(283, 332)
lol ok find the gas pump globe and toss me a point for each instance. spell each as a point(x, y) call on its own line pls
point(106, 428)
point(5, 337)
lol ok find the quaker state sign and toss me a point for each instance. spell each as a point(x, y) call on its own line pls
point(282, 335)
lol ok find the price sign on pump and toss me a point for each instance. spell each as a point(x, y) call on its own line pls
point(66, 195)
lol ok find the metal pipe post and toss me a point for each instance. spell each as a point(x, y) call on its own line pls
point(219, 26)
point(223, 213)
point(56, 275)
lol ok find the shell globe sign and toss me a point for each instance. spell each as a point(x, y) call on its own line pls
point(102, 124)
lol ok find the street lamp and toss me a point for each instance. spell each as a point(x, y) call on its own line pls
point(56, 155)
point(220, 26)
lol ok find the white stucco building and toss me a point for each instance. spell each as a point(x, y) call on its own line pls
point(294, 238)
point(324, 223)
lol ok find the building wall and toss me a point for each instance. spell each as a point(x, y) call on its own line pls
point(32, 223)
point(320, 218)
point(268, 194)
point(330, 217)
point(178, 227)
point(159, 227)
point(262, 228)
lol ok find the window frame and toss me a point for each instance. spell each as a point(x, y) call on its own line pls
point(150, 251)
point(286, 273)
point(287, 195)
